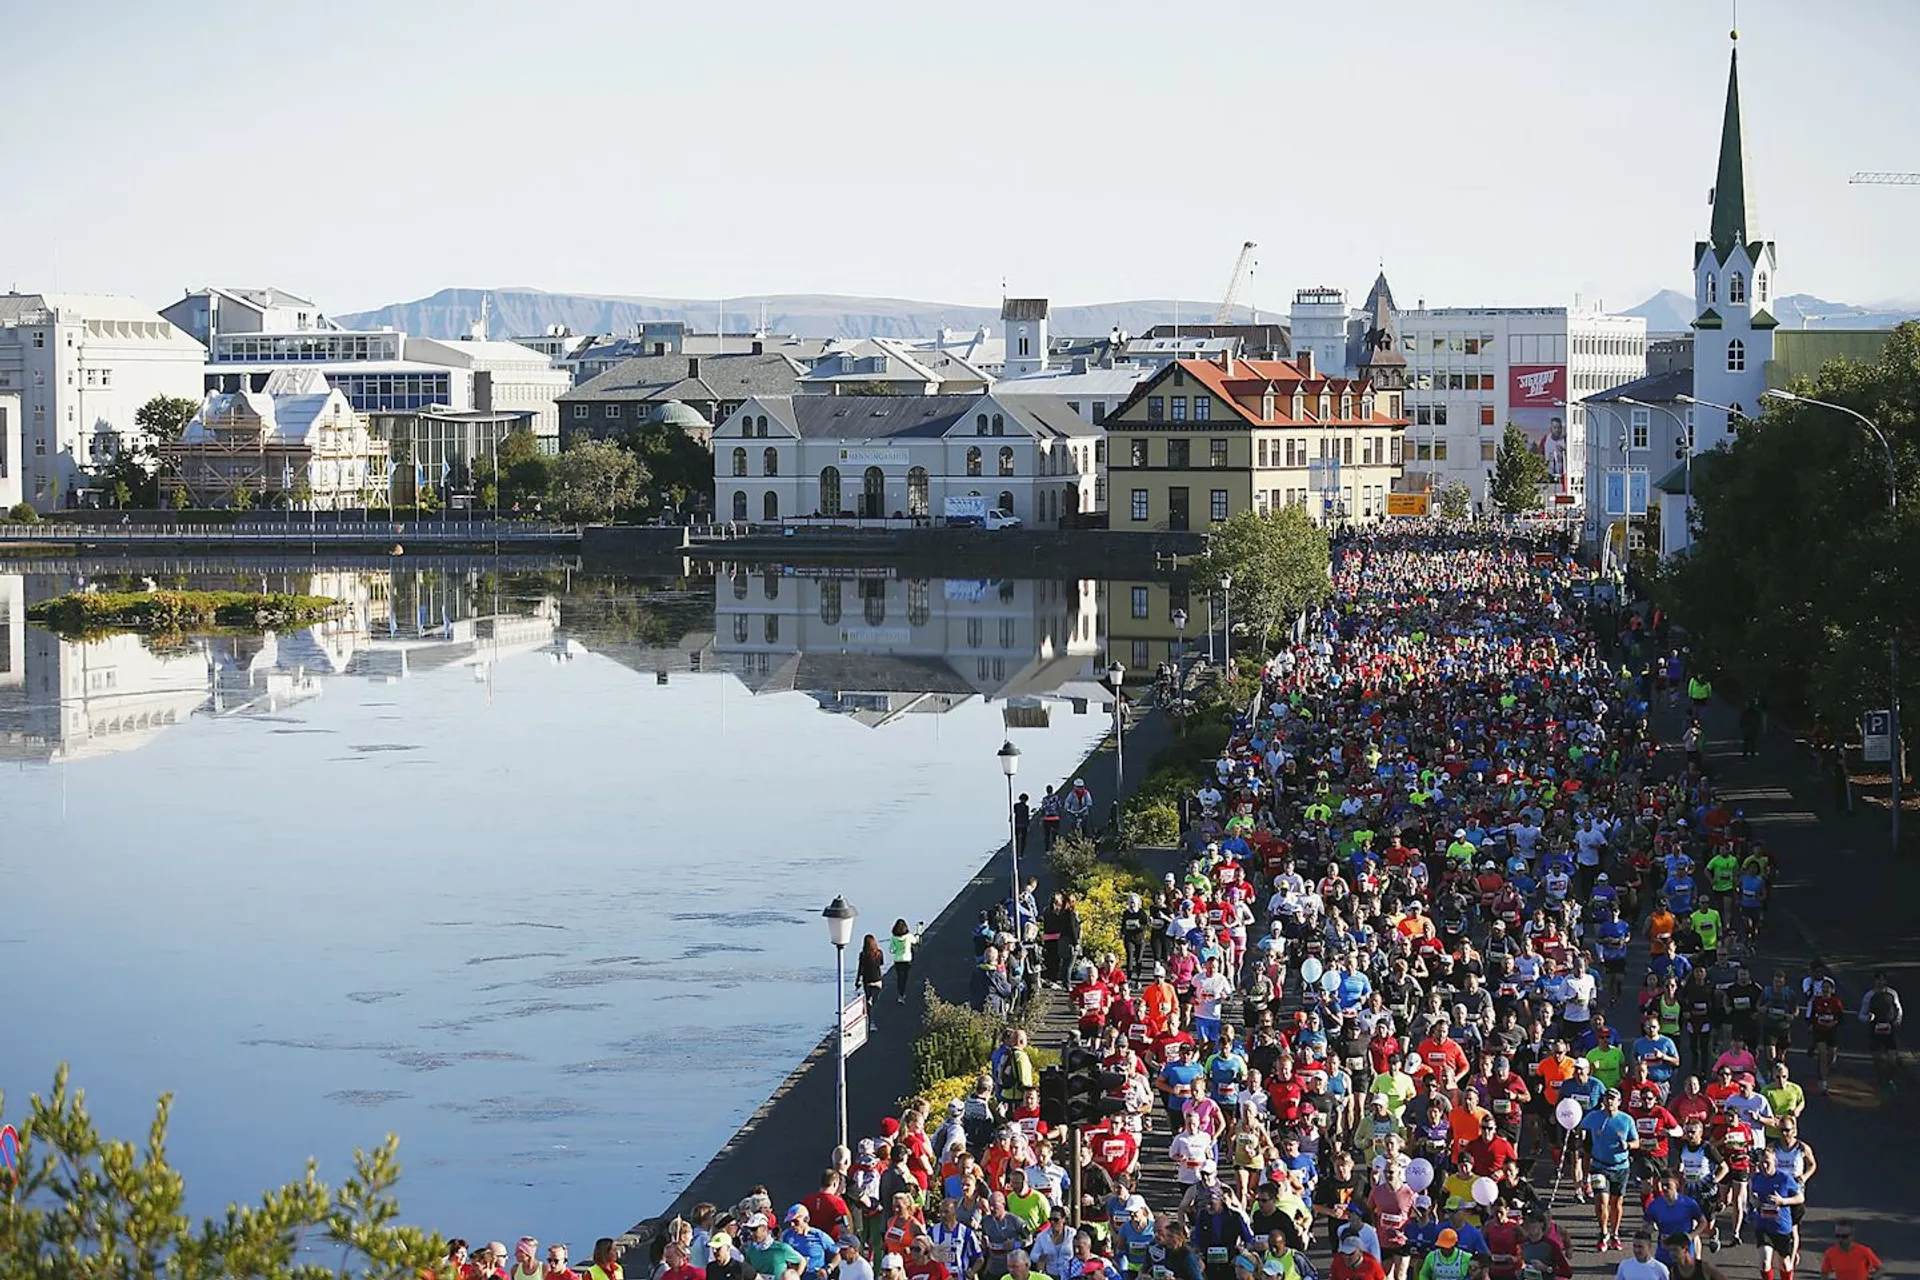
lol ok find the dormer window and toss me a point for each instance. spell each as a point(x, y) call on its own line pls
point(1736, 287)
point(1346, 406)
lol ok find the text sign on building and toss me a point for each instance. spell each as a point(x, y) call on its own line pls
point(1536, 403)
point(1626, 492)
point(1876, 737)
point(863, 456)
point(1406, 504)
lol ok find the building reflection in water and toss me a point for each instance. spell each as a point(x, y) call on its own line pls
point(875, 645)
point(66, 699)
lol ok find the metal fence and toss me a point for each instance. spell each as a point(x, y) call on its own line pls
point(296, 531)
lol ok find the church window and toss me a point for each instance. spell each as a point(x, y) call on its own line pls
point(1736, 356)
point(1736, 287)
point(1760, 286)
point(1713, 288)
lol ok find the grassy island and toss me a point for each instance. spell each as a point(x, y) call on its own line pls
point(86, 613)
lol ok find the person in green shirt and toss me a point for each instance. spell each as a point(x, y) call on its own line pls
point(766, 1253)
point(1025, 1203)
point(1447, 1261)
point(1607, 1061)
point(1723, 874)
point(1706, 922)
point(1784, 1096)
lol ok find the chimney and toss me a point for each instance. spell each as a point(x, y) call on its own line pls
point(693, 366)
point(1304, 361)
point(1079, 364)
point(1226, 360)
point(759, 347)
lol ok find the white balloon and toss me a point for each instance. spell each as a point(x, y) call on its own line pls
point(1310, 970)
point(1330, 981)
point(1420, 1174)
point(1568, 1113)
point(1486, 1191)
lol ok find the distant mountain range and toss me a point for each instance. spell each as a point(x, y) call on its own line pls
point(1670, 311)
point(451, 313)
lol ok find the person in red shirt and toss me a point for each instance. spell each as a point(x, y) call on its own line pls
point(1354, 1263)
point(1091, 1000)
point(1027, 1116)
point(826, 1208)
point(1489, 1151)
point(1655, 1125)
point(1286, 1094)
point(678, 1265)
point(921, 1262)
point(1443, 1057)
point(1690, 1104)
point(1112, 1147)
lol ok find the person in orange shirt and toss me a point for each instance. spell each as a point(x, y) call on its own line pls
point(1465, 1118)
point(1158, 1002)
point(1660, 926)
point(1845, 1260)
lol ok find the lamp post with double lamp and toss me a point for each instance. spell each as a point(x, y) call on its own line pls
point(1179, 638)
point(1893, 630)
point(1010, 765)
point(840, 916)
point(1116, 676)
point(1226, 621)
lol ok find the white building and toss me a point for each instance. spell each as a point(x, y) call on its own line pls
point(867, 364)
point(1319, 321)
point(778, 458)
point(507, 377)
point(295, 434)
point(82, 366)
point(11, 491)
point(205, 313)
point(1472, 370)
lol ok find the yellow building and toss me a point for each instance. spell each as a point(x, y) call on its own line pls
point(1203, 439)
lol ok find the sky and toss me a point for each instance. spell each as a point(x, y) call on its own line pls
point(1504, 152)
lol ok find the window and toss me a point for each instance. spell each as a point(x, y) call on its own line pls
point(1736, 287)
point(1156, 409)
point(610, 411)
point(830, 491)
point(976, 633)
point(1139, 452)
point(770, 628)
point(739, 628)
point(973, 460)
point(1025, 345)
point(1346, 451)
point(1100, 490)
point(1439, 415)
point(999, 425)
point(1202, 409)
point(1439, 450)
point(1217, 505)
point(919, 602)
point(1139, 510)
point(1140, 597)
point(39, 338)
point(770, 506)
point(739, 462)
point(760, 426)
point(770, 461)
point(1006, 460)
point(1487, 450)
point(1713, 289)
point(873, 600)
point(1760, 286)
point(580, 411)
point(739, 504)
point(1142, 655)
point(1736, 356)
point(1099, 412)
point(1005, 502)
point(1395, 449)
point(1179, 408)
point(1177, 455)
point(917, 501)
point(1641, 425)
point(980, 424)
point(830, 601)
point(1216, 453)
point(1260, 453)
point(1486, 415)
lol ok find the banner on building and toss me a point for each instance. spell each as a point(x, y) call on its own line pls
point(873, 456)
point(1406, 504)
point(1536, 403)
point(1626, 492)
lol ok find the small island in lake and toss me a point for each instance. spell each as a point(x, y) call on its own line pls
point(80, 613)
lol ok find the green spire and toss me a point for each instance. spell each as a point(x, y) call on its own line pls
point(1731, 214)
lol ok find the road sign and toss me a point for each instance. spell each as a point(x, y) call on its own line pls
point(853, 1021)
point(1406, 504)
point(1876, 737)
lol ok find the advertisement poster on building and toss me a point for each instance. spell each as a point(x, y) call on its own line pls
point(1536, 403)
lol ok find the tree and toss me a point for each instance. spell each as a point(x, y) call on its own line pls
point(85, 1205)
point(136, 466)
point(597, 478)
point(1518, 473)
point(1798, 573)
point(1454, 501)
point(1279, 564)
point(516, 469)
point(163, 418)
point(675, 461)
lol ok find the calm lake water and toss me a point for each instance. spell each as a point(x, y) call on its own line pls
point(524, 867)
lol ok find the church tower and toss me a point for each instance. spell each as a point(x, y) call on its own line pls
point(1734, 285)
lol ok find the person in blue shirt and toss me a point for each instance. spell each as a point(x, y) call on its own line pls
point(1673, 1213)
point(1612, 1138)
point(1611, 940)
point(1771, 1195)
point(1673, 964)
point(811, 1243)
point(1658, 1051)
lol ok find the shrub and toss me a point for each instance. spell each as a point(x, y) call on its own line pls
point(1074, 860)
point(955, 1040)
point(1151, 824)
point(23, 513)
point(1104, 902)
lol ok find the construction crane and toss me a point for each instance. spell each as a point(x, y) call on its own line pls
point(1884, 180)
point(1242, 268)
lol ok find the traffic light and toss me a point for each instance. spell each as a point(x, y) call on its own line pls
point(1089, 1088)
point(1053, 1097)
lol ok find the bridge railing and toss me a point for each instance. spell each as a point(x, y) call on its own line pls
point(296, 531)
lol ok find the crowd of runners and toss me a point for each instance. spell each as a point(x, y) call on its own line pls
point(1457, 948)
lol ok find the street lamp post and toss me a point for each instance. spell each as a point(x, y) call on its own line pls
point(840, 916)
point(1116, 676)
point(1893, 630)
point(1209, 624)
point(1226, 624)
point(1684, 434)
point(1180, 638)
point(1010, 765)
